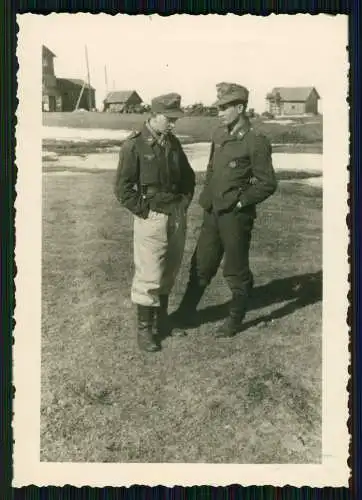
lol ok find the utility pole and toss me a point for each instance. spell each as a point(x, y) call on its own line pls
point(80, 97)
point(106, 78)
point(88, 77)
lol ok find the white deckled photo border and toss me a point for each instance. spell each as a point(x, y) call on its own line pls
point(333, 471)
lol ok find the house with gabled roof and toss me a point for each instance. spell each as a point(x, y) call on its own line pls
point(63, 94)
point(73, 90)
point(293, 101)
point(121, 101)
point(51, 98)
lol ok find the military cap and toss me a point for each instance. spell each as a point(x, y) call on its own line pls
point(230, 92)
point(168, 105)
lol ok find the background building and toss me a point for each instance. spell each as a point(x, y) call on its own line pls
point(70, 90)
point(293, 101)
point(62, 94)
point(51, 99)
point(122, 101)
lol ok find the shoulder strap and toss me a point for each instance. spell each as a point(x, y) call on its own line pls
point(134, 133)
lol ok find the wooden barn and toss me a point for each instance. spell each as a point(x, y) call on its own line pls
point(122, 101)
point(287, 101)
point(51, 98)
point(70, 89)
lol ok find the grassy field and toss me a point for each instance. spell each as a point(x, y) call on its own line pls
point(252, 399)
point(197, 128)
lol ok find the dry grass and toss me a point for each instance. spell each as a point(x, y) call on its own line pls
point(252, 399)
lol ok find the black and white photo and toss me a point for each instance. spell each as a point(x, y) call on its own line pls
point(181, 250)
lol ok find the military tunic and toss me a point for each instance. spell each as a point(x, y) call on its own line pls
point(239, 170)
point(155, 181)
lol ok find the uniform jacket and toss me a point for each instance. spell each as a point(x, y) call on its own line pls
point(239, 169)
point(151, 176)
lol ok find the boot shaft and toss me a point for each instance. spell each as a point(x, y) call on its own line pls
point(238, 306)
point(146, 328)
point(164, 299)
point(145, 314)
point(237, 312)
point(192, 296)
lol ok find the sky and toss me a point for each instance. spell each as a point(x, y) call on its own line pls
point(191, 54)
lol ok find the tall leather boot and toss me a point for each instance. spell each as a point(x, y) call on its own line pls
point(146, 319)
point(184, 317)
point(162, 322)
point(233, 324)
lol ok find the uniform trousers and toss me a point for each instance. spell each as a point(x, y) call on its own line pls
point(225, 235)
point(159, 243)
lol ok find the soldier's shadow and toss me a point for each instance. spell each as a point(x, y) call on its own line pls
point(298, 291)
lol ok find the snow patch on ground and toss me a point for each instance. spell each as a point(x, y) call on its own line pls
point(310, 181)
point(313, 181)
point(85, 134)
point(302, 162)
point(281, 122)
point(66, 173)
point(198, 155)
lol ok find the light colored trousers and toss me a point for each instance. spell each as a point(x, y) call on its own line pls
point(159, 243)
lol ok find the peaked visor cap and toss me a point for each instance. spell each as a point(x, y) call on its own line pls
point(168, 105)
point(230, 92)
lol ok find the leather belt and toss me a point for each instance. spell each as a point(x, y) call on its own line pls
point(151, 190)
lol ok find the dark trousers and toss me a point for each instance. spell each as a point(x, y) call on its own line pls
point(226, 234)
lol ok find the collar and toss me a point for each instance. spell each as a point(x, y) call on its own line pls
point(149, 134)
point(239, 130)
point(154, 137)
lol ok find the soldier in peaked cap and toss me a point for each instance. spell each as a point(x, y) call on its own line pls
point(156, 183)
point(239, 175)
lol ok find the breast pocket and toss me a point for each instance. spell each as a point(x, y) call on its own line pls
point(238, 171)
point(238, 162)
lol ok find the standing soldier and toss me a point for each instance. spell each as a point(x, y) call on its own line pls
point(156, 183)
point(239, 175)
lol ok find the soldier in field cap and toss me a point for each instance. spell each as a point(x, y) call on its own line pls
point(239, 176)
point(156, 183)
point(230, 92)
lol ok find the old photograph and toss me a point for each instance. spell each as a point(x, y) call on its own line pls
point(190, 292)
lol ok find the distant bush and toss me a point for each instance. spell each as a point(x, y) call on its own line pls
point(268, 115)
point(210, 111)
point(198, 109)
point(292, 137)
point(136, 108)
point(298, 135)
